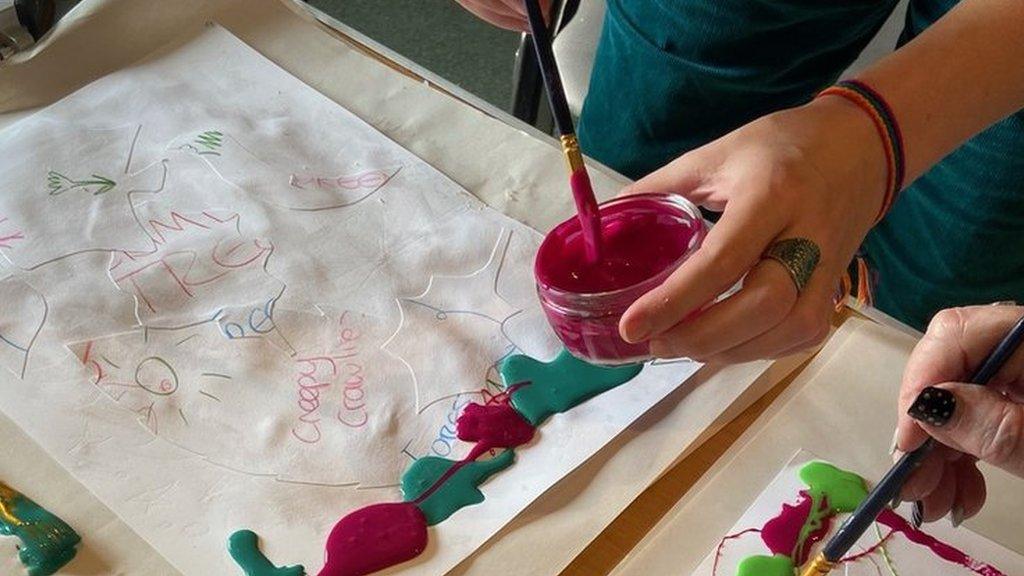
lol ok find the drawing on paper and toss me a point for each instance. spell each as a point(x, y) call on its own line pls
point(331, 413)
point(239, 166)
point(824, 495)
point(196, 263)
point(69, 211)
point(461, 316)
point(23, 313)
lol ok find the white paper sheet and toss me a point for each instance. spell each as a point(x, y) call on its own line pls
point(904, 557)
point(263, 183)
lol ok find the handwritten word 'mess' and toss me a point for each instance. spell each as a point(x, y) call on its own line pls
point(370, 180)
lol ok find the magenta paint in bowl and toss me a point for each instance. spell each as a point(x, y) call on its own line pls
point(644, 239)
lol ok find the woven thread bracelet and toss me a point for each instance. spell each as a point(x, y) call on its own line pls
point(871, 102)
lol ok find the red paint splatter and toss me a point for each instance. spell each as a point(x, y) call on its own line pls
point(948, 553)
point(384, 535)
point(782, 533)
point(721, 545)
point(495, 425)
point(375, 537)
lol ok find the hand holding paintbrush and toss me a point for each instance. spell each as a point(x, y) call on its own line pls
point(986, 423)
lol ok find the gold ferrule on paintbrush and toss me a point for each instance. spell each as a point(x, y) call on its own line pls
point(571, 149)
point(820, 566)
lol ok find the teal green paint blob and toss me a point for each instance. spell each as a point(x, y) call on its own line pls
point(843, 490)
point(559, 385)
point(244, 547)
point(777, 565)
point(441, 487)
point(47, 543)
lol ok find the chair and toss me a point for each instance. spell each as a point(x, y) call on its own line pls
point(527, 84)
point(22, 23)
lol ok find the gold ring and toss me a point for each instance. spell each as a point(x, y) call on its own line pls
point(799, 256)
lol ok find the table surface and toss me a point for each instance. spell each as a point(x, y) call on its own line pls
point(602, 555)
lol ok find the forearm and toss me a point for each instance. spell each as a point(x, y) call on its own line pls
point(960, 76)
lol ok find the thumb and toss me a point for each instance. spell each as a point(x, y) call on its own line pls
point(975, 420)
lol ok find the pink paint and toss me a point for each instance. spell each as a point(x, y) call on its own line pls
point(644, 239)
point(588, 213)
point(782, 534)
point(383, 535)
point(722, 543)
point(494, 425)
point(375, 537)
point(948, 553)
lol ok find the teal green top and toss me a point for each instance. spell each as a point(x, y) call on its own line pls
point(671, 76)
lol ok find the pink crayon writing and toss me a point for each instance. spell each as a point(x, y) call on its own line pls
point(311, 382)
point(353, 395)
point(371, 179)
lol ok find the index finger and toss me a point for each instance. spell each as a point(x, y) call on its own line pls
point(731, 248)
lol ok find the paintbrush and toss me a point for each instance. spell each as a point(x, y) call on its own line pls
point(579, 180)
point(889, 487)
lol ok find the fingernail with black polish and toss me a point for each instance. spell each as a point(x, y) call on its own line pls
point(933, 406)
point(917, 515)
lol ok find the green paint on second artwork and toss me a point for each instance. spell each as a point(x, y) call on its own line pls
point(459, 490)
point(777, 565)
point(843, 490)
point(554, 387)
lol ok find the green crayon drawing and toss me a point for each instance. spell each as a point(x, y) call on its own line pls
point(209, 142)
point(59, 184)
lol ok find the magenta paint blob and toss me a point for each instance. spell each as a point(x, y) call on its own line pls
point(644, 238)
point(374, 538)
point(897, 523)
point(787, 534)
point(494, 426)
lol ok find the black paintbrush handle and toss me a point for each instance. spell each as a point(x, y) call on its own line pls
point(549, 68)
point(864, 516)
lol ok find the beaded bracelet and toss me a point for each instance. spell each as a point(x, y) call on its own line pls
point(871, 102)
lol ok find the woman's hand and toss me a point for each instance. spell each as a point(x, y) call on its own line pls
point(816, 172)
point(972, 422)
point(509, 14)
